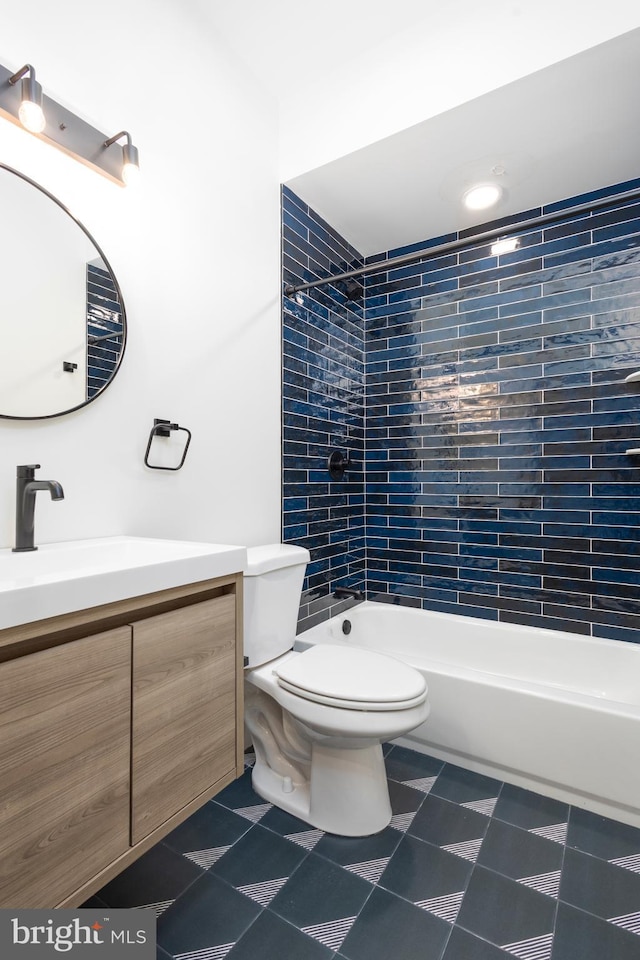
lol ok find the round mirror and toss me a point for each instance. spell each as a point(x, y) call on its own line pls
point(62, 319)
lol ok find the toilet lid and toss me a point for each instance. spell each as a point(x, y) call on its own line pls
point(336, 675)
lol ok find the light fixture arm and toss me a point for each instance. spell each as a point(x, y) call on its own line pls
point(118, 136)
point(21, 72)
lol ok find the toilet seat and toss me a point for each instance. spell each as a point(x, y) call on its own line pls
point(351, 678)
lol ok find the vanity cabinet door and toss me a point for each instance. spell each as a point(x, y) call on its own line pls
point(184, 740)
point(64, 767)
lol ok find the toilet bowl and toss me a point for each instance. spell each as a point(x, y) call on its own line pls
point(318, 718)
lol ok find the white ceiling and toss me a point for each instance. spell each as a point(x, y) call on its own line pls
point(568, 129)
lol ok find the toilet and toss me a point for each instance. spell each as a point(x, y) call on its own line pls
point(318, 718)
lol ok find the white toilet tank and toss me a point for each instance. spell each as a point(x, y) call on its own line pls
point(272, 588)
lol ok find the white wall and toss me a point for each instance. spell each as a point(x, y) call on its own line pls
point(195, 250)
point(373, 68)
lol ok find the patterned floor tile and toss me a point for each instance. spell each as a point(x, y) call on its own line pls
point(155, 880)
point(616, 842)
point(390, 927)
point(365, 856)
point(580, 936)
point(206, 835)
point(206, 920)
point(272, 938)
point(428, 877)
point(322, 899)
point(474, 790)
point(603, 889)
point(455, 828)
point(406, 765)
point(468, 869)
point(259, 864)
point(522, 856)
point(464, 946)
point(529, 810)
point(506, 913)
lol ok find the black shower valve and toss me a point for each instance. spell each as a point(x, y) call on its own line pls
point(338, 464)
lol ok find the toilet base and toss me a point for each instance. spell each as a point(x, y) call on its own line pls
point(346, 795)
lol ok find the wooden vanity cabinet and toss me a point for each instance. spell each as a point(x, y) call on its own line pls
point(116, 723)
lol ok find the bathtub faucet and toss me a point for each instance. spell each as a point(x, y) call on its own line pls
point(26, 488)
point(348, 593)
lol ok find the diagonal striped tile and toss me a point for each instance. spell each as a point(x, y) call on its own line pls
point(207, 858)
point(446, 907)
point(629, 863)
point(331, 934)
point(555, 831)
point(249, 759)
point(264, 892)
point(482, 806)
point(548, 883)
point(306, 839)
point(370, 870)
point(629, 921)
point(207, 953)
point(159, 907)
point(402, 821)
point(424, 784)
point(467, 849)
point(535, 948)
point(254, 813)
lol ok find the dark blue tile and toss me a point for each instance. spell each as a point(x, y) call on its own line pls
point(374, 935)
point(464, 946)
point(522, 856)
point(424, 874)
point(271, 938)
point(580, 935)
point(505, 912)
point(604, 889)
point(212, 826)
point(157, 878)
point(210, 914)
point(320, 892)
point(257, 857)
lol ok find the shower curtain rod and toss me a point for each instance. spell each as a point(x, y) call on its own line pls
point(384, 265)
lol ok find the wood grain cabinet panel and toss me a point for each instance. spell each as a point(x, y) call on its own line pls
point(64, 766)
point(184, 708)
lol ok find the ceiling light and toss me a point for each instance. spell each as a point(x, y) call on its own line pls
point(482, 196)
point(508, 245)
point(30, 113)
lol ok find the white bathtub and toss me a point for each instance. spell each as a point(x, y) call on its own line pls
point(552, 712)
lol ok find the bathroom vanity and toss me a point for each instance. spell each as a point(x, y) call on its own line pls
point(117, 720)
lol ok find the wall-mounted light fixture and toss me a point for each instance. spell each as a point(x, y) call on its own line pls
point(30, 112)
point(26, 105)
point(130, 157)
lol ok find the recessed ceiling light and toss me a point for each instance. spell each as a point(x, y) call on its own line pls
point(483, 195)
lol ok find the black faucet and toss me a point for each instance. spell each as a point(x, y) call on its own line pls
point(26, 488)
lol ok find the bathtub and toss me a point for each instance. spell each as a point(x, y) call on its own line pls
point(549, 711)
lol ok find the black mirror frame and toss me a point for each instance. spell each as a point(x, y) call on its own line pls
point(79, 406)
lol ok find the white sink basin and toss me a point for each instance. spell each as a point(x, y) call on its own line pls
point(62, 577)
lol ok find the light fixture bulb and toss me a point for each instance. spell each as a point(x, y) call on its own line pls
point(30, 112)
point(507, 245)
point(482, 196)
point(130, 173)
point(32, 116)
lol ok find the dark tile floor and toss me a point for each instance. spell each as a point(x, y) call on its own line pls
point(469, 869)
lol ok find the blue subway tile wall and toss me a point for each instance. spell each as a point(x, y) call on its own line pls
point(323, 410)
point(104, 321)
point(497, 420)
point(494, 427)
